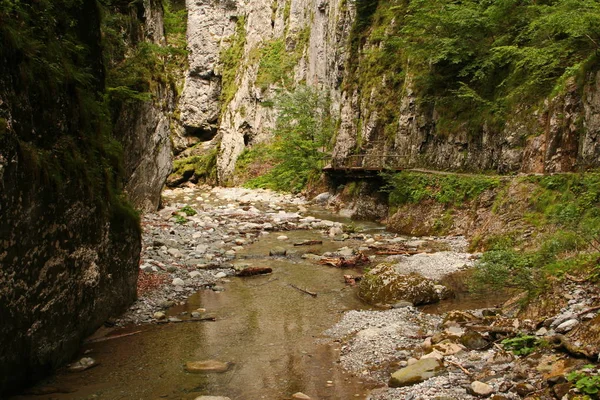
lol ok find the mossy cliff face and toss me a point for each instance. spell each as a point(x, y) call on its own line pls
point(70, 242)
point(393, 109)
point(242, 53)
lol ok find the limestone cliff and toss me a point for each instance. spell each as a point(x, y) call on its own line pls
point(226, 101)
point(227, 98)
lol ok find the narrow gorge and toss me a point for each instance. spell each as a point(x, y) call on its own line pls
point(326, 199)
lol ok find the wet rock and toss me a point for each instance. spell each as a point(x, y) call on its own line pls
point(159, 315)
point(335, 231)
point(206, 366)
point(415, 373)
point(83, 364)
point(523, 389)
point(254, 271)
point(473, 340)
point(383, 285)
point(402, 304)
point(300, 396)
point(322, 198)
point(310, 256)
point(218, 288)
point(567, 326)
point(277, 252)
point(481, 389)
point(460, 317)
point(560, 390)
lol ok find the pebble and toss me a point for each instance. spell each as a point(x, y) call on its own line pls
point(282, 237)
point(178, 282)
point(567, 326)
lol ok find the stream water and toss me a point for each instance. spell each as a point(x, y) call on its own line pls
point(266, 328)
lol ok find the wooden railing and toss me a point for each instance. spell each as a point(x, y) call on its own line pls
point(368, 162)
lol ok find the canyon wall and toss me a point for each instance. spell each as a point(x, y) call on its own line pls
point(382, 122)
point(69, 239)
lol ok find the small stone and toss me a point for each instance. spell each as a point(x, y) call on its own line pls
point(206, 366)
point(217, 288)
point(212, 398)
point(196, 314)
point(220, 275)
point(175, 320)
point(195, 274)
point(175, 252)
point(282, 237)
point(277, 252)
point(541, 332)
point(300, 396)
point(523, 389)
point(178, 282)
point(402, 304)
point(83, 364)
point(481, 389)
point(159, 315)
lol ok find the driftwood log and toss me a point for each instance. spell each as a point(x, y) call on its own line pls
point(252, 271)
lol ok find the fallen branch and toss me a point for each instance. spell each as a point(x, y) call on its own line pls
point(105, 338)
point(313, 294)
point(252, 271)
point(459, 366)
point(589, 310)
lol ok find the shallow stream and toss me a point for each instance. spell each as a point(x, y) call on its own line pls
point(266, 327)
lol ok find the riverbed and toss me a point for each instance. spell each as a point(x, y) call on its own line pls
point(274, 331)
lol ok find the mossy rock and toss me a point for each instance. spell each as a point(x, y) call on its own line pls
point(384, 285)
point(415, 373)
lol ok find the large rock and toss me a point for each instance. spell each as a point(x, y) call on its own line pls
point(417, 372)
point(384, 285)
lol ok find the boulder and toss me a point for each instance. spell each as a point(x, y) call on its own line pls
point(384, 285)
point(473, 340)
point(417, 372)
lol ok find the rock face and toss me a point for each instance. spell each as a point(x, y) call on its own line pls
point(229, 105)
point(70, 244)
point(384, 285)
point(144, 127)
point(222, 104)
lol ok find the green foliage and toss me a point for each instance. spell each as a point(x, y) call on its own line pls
point(302, 136)
point(179, 219)
point(135, 68)
point(197, 168)
point(486, 58)
point(522, 345)
point(414, 187)
point(586, 380)
point(189, 211)
point(277, 62)
point(231, 58)
point(56, 59)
